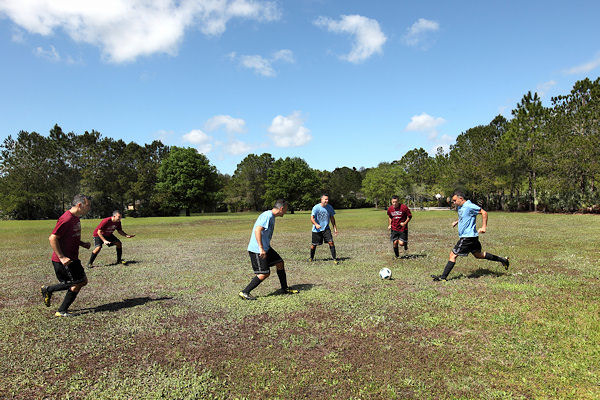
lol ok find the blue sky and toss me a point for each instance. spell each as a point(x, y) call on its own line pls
point(338, 83)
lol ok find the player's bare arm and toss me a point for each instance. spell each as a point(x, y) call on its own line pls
point(406, 222)
point(101, 236)
point(335, 230)
point(389, 222)
point(85, 245)
point(122, 233)
point(484, 217)
point(312, 218)
point(455, 223)
point(258, 236)
point(56, 247)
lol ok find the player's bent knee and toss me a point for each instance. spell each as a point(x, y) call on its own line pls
point(280, 265)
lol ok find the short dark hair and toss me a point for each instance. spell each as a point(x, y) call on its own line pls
point(280, 203)
point(459, 193)
point(395, 197)
point(324, 194)
point(117, 212)
point(80, 198)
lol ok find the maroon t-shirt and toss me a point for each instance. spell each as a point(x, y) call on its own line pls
point(107, 227)
point(398, 215)
point(68, 230)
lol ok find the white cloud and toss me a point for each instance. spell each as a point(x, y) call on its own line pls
point(127, 29)
point(543, 88)
point(258, 64)
point(368, 37)
point(586, 67)
point(237, 147)
point(231, 125)
point(417, 33)
point(50, 54)
point(200, 139)
point(261, 65)
point(283, 55)
point(289, 131)
point(425, 123)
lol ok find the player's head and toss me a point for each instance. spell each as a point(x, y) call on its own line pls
point(82, 204)
point(324, 199)
point(395, 201)
point(280, 207)
point(116, 216)
point(458, 198)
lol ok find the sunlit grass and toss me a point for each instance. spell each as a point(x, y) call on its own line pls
point(170, 325)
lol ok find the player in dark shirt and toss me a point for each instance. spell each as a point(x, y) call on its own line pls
point(65, 240)
point(103, 234)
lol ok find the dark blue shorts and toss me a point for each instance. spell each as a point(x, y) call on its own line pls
point(72, 273)
point(263, 265)
point(466, 245)
point(324, 236)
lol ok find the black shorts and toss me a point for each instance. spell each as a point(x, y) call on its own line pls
point(263, 265)
point(399, 235)
point(111, 238)
point(466, 245)
point(324, 236)
point(72, 273)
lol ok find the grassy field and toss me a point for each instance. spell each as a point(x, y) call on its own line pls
point(170, 325)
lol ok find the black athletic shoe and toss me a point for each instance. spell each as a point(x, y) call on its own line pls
point(336, 261)
point(90, 266)
point(122, 262)
point(46, 295)
point(246, 296)
point(438, 278)
point(506, 263)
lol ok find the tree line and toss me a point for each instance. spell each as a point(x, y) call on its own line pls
point(542, 159)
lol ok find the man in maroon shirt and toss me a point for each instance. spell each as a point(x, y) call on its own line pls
point(65, 240)
point(398, 215)
point(103, 234)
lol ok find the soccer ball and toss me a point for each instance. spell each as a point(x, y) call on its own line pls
point(385, 273)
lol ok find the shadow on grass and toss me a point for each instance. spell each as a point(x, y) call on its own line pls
point(127, 262)
point(119, 305)
point(481, 272)
point(411, 256)
point(330, 259)
point(300, 287)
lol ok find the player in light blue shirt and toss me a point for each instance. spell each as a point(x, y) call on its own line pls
point(321, 216)
point(262, 255)
point(468, 241)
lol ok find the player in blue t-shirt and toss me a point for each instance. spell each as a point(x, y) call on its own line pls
point(262, 255)
point(468, 235)
point(322, 214)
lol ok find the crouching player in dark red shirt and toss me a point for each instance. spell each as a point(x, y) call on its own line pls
point(103, 234)
point(65, 240)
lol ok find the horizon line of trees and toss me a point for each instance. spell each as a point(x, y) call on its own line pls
point(542, 159)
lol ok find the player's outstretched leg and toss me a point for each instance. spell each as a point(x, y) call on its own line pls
point(333, 253)
point(313, 248)
point(245, 294)
point(488, 256)
point(396, 251)
point(95, 253)
point(449, 265)
point(283, 279)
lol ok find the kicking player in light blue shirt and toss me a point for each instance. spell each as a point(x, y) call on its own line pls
point(262, 255)
point(322, 214)
point(468, 235)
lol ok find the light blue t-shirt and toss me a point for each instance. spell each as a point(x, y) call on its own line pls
point(467, 219)
point(322, 216)
point(267, 221)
